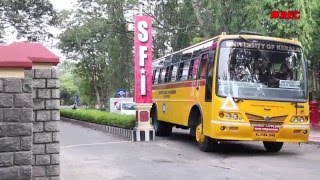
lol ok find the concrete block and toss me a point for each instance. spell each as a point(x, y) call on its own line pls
point(38, 149)
point(6, 159)
point(52, 148)
point(55, 115)
point(39, 83)
point(55, 178)
point(43, 137)
point(43, 116)
point(26, 143)
point(38, 104)
point(55, 158)
point(43, 159)
point(22, 158)
point(9, 144)
point(12, 85)
point(42, 73)
point(44, 94)
point(38, 171)
point(53, 104)
point(11, 115)
point(23, 100)
point(54, 74)
point(38, 127)
point(1, 114)
point(1, 86)
point(55, 136)
point(55, 93)
point(9, 173)
point(15, 129)
point(25, 172)
point(27, 85)
point(53, 170)
point(6, 100)
point(53, 83)
point(29, 73)
point(51, 126)
point(26, 115)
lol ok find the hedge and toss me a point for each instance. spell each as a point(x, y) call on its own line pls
point(100, 117)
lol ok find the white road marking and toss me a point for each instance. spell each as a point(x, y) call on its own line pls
point(92, 144)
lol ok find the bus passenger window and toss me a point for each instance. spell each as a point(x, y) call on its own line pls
point(168, 75)
point(163, 75)
point(156, 76)
point(159, 76)
point(195, 68)
point(180, 71)
point(185, 71)
point(174, 73)
point(203, 67)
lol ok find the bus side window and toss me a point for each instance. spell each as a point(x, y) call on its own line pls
point(195, 68)
point(159, 76)
point(209, 76)
point(170, 74)
point(153, 73)
point(166, 74)
point(174, 73)
point(163, 75)
point(156, 76)
point(185, 71)
point(180, 70)
point(203, 66)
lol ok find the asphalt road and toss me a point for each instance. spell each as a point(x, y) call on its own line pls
point(93, 155)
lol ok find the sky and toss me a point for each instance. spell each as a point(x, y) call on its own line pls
point(62, 4)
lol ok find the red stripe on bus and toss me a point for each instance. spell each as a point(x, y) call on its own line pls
point(179, 85)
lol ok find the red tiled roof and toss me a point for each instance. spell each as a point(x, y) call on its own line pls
point(21, 55)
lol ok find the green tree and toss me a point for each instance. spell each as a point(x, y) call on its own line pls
point(30, 18)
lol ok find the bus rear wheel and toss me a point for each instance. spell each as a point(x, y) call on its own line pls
point(272, 146)
point(205, 143)
point(161, 128)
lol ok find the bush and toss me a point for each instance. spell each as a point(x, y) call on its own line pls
point(100, 117)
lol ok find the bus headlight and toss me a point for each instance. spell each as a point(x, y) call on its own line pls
point(228, 115)
point(299, 119)
point(235, 116)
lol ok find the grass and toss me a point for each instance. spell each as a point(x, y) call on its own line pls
point(100, 117)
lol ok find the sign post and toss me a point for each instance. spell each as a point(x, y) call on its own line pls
point(143, 78)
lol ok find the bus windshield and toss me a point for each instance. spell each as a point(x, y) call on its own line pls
point(260, 69)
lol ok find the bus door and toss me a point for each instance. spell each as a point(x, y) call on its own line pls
point(201, 80)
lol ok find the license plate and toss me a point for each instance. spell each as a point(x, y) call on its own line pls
point(265, 134)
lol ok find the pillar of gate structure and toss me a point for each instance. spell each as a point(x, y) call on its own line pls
point(15, 116)
point(143, 130)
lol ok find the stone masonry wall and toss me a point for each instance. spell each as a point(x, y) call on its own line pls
point(15, 128)
point(46, 102)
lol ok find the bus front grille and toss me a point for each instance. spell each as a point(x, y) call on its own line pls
point(275, 120)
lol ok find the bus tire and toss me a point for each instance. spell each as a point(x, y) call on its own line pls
point(161, 128)
point(272, 146)
point(205, 143)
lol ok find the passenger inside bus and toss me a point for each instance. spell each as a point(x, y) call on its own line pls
point(203, 67)
point(285, 73)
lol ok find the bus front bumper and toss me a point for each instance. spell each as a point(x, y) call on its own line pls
point(227, 130)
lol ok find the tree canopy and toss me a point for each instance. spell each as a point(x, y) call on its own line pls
point(99, 37)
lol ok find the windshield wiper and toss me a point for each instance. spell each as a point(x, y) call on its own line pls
point(256, 49)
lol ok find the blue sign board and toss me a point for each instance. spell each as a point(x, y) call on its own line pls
point(122, 92)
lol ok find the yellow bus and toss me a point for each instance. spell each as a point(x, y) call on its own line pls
point(244, 87)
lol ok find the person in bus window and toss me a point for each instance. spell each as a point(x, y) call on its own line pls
point(285, 73)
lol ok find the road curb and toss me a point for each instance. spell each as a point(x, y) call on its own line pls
point(128, 134)
point(313, 142)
